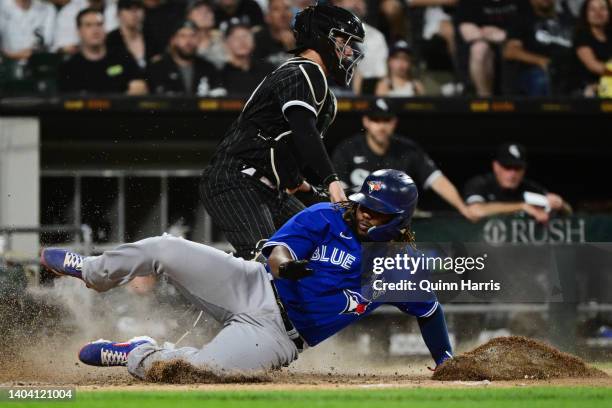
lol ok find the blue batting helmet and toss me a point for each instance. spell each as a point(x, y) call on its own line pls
point(388, 192)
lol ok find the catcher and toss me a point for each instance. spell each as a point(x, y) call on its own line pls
point(248, 186)
point(309, 290)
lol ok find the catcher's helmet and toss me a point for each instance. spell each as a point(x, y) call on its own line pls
point(319, 27)
point(388, 192)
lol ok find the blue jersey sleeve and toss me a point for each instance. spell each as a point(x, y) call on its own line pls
point(300, 235)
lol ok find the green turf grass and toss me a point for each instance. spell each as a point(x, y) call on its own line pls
point(519, 397)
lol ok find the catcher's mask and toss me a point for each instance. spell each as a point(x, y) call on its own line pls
point(336, 34)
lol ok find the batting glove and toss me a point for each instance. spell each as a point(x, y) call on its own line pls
point(294, 270)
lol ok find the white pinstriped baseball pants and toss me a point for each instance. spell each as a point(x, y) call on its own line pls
point(245, 209)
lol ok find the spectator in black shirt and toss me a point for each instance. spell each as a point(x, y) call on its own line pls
point(539, 50)
point(593, 45)
point(273, 42)
point(380, 148)
point(66, 36)
point(180, 71)
point(506, 191)
point(483, 26)
point(93, 69)
point(241, 73)
point(128, 39)
point(247, 12)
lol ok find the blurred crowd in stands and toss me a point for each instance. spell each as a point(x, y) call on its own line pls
point(225, 47)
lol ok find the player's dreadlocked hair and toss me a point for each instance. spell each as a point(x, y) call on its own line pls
point(408, 236)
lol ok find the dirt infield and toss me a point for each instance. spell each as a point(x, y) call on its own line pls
point(181, 372)
point(317, 371)
point(307, 381)
point(514, 358)
point(501, 359)
point(325, 370)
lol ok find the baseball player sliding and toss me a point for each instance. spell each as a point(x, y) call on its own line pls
point(309, 289)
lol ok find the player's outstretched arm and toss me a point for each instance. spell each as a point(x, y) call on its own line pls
point(434, 332)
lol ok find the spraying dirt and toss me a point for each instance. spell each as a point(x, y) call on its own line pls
point(181, 372)
point(514, 358)
point(44, 329)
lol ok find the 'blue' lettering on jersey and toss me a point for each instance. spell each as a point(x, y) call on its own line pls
point(334, 256)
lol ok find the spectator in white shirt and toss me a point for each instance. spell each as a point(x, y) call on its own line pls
point(66, 37)
point(401, 81)
point(26, 26)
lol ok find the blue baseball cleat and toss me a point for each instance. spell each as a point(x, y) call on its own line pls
point(104, 353)
point(447, 356)
point(62, 262)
